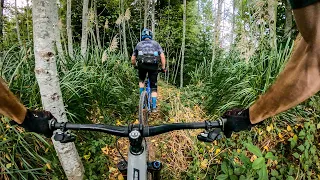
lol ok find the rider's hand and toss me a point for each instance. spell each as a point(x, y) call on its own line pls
point(37, 121)
point(237, 120)
point(164, 70)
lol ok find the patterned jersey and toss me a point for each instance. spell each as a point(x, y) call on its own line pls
point(148, 52)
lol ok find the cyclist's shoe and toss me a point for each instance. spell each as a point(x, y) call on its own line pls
point(154, 110)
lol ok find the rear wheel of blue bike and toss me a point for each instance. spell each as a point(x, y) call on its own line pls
point(143, 108)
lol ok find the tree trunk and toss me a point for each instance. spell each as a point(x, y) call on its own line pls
point(153, 19)
point(84, 36)
point(288, 24)
point(56, 28)
point(69, 29)
point(47, 77)
point(216, 33)
point(96, 19)
point(125, 48)
point(233, 22)
point(27, 22)
point(183, 41)
point(146, 13)
point(17, 23)
point(218, 22)
point(272, 11)
point(1, 24)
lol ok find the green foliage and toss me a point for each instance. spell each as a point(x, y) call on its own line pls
point(91, 90)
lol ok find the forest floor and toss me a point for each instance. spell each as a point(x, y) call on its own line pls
point(184, 157)
point(172, 149)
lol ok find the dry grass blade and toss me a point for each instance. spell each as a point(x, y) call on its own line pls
point(60, 24)
point(104, 56)
point(106, 24)
point(127, 14)
point(120, 19)
point(91, 15)
point(114, 44)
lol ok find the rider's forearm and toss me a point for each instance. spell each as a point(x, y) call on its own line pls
point(9, 104)
point(163, 60)
point(297, 82)
point(300, 78)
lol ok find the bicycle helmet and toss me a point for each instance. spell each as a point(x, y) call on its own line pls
point(146, 33)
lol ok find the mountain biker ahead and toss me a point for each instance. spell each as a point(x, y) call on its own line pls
point(147, 55)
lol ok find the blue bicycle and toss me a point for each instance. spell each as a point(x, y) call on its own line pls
point(145, 103)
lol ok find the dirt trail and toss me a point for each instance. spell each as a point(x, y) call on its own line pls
point(172, 149)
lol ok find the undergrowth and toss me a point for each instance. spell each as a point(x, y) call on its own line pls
point(102, 88)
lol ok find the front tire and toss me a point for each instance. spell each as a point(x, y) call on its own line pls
point(143, 119)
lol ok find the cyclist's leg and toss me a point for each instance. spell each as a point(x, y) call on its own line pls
point(153, 75)
point(142, 77)
point(301, 77)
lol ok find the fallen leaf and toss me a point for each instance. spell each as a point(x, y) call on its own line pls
point(204, 164)
point(217, 151)
point(266, 148)
point(105, 150)
point(9, 165)
point(136, 121)
point(120, 177)
point(86, 157)
point(280, 136)
point(48, 166)
point(269, 128)
point(289, 128)
point(112, 169)
point(254, 157)
point(118, 123)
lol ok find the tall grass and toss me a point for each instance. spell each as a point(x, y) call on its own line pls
point(236, 82)
point(91, 89)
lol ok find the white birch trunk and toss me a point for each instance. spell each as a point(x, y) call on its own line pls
point(183, 41)
point(1, 24)
point(288, 24)
point(48, 80)
point(233, 21)
point(84, 36)
point(57, 33)
point(125, 48)
point(153, 19)
point(272, 11)
point(218, 22)
point(69, 29)
point(27, 22)
point(17, 23)
point(146, 13)
point(97, 24)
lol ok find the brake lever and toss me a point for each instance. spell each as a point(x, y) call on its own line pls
point(210, 136)
point(64, 137)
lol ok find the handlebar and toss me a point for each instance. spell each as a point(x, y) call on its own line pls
point(146, 131)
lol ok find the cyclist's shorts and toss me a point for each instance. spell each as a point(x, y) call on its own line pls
point(153, 77)
point(295, 4)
